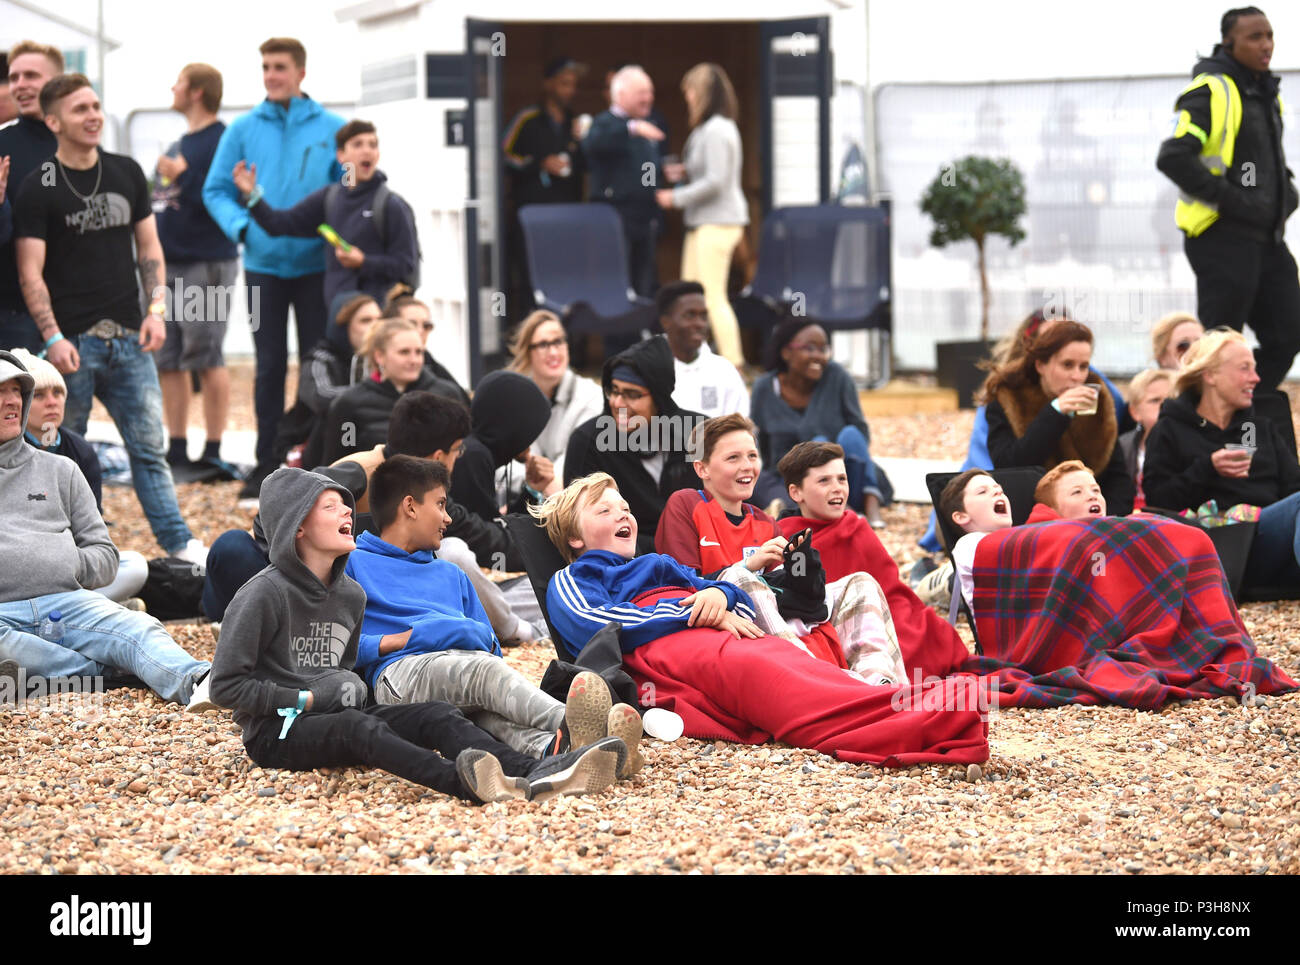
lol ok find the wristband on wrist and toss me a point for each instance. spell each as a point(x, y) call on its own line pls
point(254, 196)
point(290, 714)
point(56, 337)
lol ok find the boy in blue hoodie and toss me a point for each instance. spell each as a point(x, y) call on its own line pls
point(290, 138)
point(427, 637)
point(284, 665)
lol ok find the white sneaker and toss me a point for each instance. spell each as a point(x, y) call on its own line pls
point(194, 552)
point(201, 698)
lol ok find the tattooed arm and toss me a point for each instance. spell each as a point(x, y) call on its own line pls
point(152, 272)
point(31, 275)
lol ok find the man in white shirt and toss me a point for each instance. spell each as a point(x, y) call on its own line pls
point(706, 382)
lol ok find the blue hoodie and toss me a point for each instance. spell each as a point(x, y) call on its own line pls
point(417, 592)
point(597, 587)
point(295, 155)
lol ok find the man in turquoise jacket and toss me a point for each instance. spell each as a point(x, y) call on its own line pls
point(290, 139)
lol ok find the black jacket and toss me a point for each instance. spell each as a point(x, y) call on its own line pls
point(389, 259)
point(1178, 473)
point(508, 413)
point(363, 411)
point(1039, 445)
point(595, 445)
point(1257, 209)
point(27, 142)
point(617, 162)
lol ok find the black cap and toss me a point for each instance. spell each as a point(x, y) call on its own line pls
point(558, 64)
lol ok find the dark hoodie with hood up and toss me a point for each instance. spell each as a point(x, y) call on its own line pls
point(1260, 210)
point(1178, 474)
point(597, 446)
point(507, 415)
point(53, 539)
point(285, 631)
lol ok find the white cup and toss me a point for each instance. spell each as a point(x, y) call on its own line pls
point(662, 724)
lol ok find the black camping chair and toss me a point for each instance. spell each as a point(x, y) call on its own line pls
point(541, 562)
point(827, 262)
point(1275, 406)
point(578, 265)
point(1018, 484)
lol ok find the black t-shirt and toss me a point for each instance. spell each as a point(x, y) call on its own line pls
point(90, 266)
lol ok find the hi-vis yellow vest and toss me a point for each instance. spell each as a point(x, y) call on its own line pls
point(1193, 215)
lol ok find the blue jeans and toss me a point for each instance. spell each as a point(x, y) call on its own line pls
point(233, 560)
point(126, 381)
point(269, 298)
point(17, 330)
point(100, 639)
point(1275, 553)
point(857, 464)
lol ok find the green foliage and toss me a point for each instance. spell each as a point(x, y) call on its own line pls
point(973, 198)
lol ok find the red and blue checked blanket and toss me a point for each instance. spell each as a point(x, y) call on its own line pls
point(1125, 610)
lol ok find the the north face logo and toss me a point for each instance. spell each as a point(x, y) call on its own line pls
point(322, 646)
point(36, 497)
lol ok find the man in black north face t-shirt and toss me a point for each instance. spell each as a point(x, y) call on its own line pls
point(76, 218)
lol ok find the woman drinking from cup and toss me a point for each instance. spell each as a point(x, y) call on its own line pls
point(1042, 409)
point(1209, 444)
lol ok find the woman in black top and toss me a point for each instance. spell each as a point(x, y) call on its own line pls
point(1041, 411)
point(1209, 444)
point(358, 419)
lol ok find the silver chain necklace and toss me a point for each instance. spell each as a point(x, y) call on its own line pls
point(99, 174)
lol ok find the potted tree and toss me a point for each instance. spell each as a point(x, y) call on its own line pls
point(969, 200)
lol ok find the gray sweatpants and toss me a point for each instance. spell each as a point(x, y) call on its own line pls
point(489, 691)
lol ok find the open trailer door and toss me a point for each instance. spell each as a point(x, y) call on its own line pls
point(795, 105)
point(485, 52)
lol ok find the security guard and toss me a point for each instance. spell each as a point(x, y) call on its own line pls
point(1236, 192)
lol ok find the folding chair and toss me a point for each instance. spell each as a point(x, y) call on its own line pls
point(578, 265)
point(830, 261)
point(1018, 484)
point(541, 562)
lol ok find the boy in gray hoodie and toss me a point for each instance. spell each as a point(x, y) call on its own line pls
point(285, 666)
point(56, 551)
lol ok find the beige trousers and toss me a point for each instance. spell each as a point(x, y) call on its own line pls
point(706, 258)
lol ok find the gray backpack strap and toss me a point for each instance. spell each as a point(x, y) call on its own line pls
point(332, 192)
point(955, 602)
point(378, 207)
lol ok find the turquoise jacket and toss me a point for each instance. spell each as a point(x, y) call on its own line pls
point(294, 153)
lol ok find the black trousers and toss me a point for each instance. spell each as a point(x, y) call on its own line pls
point(1243, 282)
point(269, 298)
point(416, 741)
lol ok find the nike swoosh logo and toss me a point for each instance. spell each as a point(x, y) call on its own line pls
point(705, 542)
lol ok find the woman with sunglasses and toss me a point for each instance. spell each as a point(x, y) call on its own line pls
point(540, 348)
point(402, 303)
point(1172, 336)
point(806, 396)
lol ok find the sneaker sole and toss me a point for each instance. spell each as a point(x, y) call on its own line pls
point(625, 724)
point(586, 709)
point(594, 771)
point(481, 773)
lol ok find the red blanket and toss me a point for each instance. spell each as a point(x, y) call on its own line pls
point(1126, 610)
point(930, 646)
point(752, 690)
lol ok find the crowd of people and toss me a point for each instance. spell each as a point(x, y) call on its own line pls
point(726, 536)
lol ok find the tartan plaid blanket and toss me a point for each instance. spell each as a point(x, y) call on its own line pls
point(1126, 610)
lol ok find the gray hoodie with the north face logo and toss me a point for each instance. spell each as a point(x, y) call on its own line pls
point(285, 631)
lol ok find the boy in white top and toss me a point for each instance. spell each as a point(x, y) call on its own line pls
point(706, 382)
